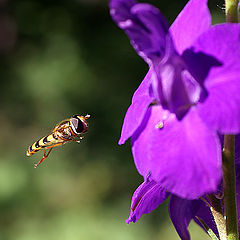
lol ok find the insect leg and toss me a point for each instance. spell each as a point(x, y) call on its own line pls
point(55, 145)
point(46, 155)
point(80, 137)
point(43, 158)
point(74, 140)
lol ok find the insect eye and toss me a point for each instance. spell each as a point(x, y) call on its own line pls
point(77, 124)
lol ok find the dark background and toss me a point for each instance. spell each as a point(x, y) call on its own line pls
point(59, 58)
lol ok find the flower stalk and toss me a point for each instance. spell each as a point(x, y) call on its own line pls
point(229, 183)
point(231, 11)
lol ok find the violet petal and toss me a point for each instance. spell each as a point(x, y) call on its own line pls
point(183, 156)
point(173, 93)
point(192, 21)
point(135, 113)
point(147, 197)
point(220, 110)
point(146, 28)
point(205, 214)
point(181, 212)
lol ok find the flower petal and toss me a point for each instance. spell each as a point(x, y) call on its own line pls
point(181, 212)
point(135, 113)
point(183, 156)
point(172, 86)
point(145, 26)
point(192, 21)
point(140, 144)
point(205, 214)
point(147, 197)
point(221, 110)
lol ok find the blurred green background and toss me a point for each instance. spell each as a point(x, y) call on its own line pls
point(59, 58)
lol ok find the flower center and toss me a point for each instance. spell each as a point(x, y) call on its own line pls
point(174, 86)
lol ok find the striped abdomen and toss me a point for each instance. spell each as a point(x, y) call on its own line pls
point(42, 143)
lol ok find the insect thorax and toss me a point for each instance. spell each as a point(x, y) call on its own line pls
point(64, 132)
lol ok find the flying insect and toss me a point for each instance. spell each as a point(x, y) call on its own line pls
point(70, 129)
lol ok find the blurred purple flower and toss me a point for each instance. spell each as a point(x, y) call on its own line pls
point(189, 95)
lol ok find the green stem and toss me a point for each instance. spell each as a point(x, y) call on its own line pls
point(230, 188)
point(231, 11)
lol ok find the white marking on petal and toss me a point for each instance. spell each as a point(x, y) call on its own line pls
point(125, 24)
point(165, 115)
point(167, 76)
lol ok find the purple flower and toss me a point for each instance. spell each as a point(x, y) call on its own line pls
point(150, 194)
point(189, 95)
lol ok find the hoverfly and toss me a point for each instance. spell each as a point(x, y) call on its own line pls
point(67, 130)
